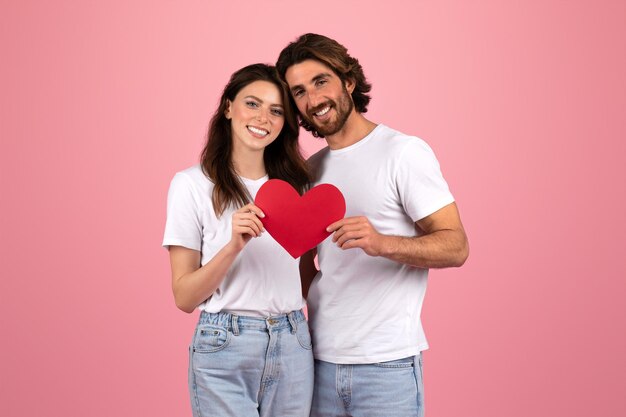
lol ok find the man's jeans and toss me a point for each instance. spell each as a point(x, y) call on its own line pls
point(389, 389)
point(248, 366)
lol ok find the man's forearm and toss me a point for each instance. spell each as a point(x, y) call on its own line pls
point(440, 249)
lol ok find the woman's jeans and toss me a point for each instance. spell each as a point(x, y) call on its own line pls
point(244, 366)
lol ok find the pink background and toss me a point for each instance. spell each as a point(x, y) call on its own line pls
point(523, 102)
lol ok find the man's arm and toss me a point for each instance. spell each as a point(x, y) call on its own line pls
point(443, 244)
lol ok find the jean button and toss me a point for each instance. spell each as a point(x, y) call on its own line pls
point(272, 322)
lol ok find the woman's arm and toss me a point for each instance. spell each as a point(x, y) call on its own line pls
point(192, 283)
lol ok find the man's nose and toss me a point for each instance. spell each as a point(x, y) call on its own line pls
point(315, 99)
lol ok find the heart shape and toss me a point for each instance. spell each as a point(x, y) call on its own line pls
point(299, 223)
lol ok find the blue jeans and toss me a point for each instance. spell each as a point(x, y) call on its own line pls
point(390, 389)
point(250, 366)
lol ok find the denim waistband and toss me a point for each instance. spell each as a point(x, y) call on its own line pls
point(235, 322)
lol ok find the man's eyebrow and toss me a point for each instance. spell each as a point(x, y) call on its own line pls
point(322, 75)
point(314, 79)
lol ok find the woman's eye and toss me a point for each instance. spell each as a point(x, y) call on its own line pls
point(251, 104)
point(277, 112)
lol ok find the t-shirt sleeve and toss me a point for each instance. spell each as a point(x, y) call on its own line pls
point(421, 186)
point(184, 223)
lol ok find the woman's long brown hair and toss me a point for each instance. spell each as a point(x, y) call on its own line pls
point(282, 157)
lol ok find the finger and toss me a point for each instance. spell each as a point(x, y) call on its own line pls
point(251, 224)
point(351, 244)
point(348, 236)
point(249, 216)
point(253, 218)
point(253, 232)
point(338, 234)
point(254, 209)
point(336, 225)
point(249, 209)
point(347, 220)
point(345, 229)
point(255, 224)
point(242, 231)
point(249, 231)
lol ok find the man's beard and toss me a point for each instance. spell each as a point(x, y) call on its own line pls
point(343, 107)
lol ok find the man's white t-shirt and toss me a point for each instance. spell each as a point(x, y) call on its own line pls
point(264, 280)
point(365, 309)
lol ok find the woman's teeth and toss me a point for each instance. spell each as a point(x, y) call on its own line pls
point(257, 131)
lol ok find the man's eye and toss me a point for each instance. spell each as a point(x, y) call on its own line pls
point(298, 93)
point(321, 82)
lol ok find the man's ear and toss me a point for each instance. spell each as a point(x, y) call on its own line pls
point(227, 111)
point(350, 85)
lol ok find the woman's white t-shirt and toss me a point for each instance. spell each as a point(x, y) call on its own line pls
point(264, 280)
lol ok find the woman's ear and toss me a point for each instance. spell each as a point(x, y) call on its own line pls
point(227, 111)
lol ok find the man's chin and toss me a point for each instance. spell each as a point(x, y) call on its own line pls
point(326, 129)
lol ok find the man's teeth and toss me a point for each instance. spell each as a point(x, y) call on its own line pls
point(323, 111)
point(257, 131)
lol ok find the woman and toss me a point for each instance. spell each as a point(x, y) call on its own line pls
point(251, 351)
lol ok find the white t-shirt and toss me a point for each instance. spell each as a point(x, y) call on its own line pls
point(365, 309)
point(264, 279)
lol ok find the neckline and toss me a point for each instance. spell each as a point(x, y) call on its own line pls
point(357, 144)
point(250, 181)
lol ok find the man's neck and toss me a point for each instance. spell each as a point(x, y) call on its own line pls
point(356, 128)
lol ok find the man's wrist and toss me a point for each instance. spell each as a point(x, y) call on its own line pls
point(387, 245)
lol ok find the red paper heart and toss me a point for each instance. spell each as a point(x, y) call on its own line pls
point(299, 223)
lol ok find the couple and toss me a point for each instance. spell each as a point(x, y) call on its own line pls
point(251, 353)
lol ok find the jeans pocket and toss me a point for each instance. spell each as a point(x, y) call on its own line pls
point(210, 338)
point(398, 363)
point(303, 335)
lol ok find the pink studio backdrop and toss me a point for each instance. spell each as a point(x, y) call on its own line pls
point(523, 102)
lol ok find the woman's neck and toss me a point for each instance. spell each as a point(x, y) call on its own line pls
point(249, 164)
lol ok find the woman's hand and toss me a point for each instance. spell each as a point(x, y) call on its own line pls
point(246, 225)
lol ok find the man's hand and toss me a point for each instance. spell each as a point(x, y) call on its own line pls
point(442, 244)
point(357, 232)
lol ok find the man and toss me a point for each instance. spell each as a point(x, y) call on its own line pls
point(365, 302)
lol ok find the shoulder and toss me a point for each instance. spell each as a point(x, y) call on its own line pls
point(192, 181)
point(192, 177)
point(315, 159)
point(402, 144)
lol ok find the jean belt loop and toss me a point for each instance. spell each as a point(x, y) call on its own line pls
point(293, 322)
point(235, 324)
